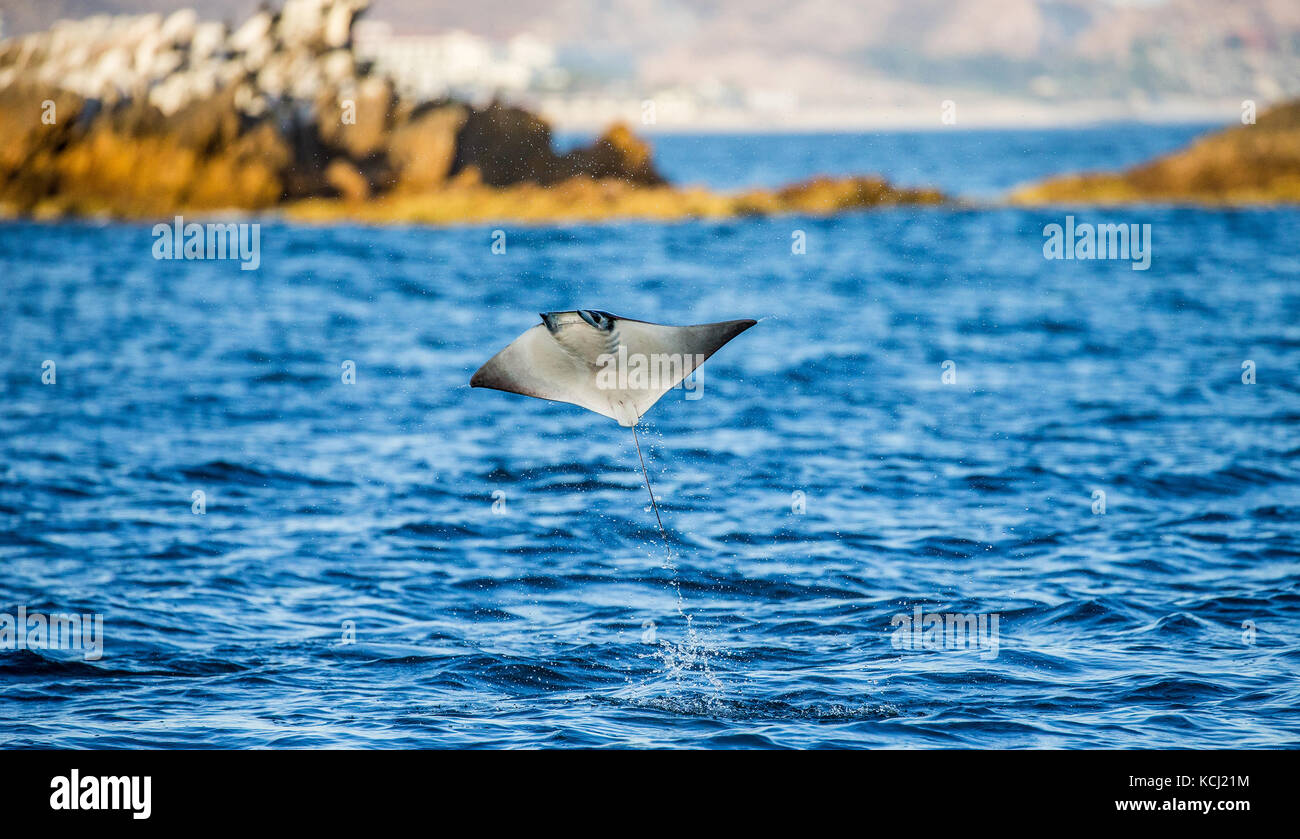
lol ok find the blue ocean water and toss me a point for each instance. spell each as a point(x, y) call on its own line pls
point(975, 164)
point(497, 558)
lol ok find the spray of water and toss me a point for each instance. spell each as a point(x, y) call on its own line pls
point(691, 655)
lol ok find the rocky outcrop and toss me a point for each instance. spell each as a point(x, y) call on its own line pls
point(510, 145)
point(422, 148)
point(130, 161)
point(144, 115)
point(1246, 164)
point(618, 154)
point(148, 116)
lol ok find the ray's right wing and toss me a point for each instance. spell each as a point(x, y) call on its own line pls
point(685, 347)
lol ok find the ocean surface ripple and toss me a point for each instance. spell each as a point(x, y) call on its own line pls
point(497, 558)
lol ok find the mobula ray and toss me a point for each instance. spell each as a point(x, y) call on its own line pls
point(617, 367)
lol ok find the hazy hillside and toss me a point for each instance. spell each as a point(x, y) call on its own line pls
point(1154, 58)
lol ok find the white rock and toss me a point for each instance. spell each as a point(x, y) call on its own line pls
point(165, 64)
point(373, 88)
point(138, 27)
point(203, 83)
point(114, 65)
point(179, 27)
point(250, 101)
point(257, 54)
point(229, 72)
point(272, 80)
point(146, 51)
point(255, 30)
point(78, 56)
point(179, 59)
point(301, 22)
point(338, 22)
point(208, 38)
point(169, 95)
point(338, 66)
point(307, 86)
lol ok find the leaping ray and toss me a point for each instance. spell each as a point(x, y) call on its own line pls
point(617, 367)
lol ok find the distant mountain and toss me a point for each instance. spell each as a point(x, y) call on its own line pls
point(837, 59)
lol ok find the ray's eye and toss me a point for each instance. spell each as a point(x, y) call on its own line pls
point(597, 319)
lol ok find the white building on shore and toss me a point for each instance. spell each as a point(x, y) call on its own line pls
point(460, 63)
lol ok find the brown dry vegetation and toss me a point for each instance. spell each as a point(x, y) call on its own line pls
point(1247, 164)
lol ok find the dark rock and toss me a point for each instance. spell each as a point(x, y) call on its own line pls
point(618, 154)
point(507, 146)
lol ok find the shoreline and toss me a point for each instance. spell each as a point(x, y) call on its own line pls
point(278, 115)
point(340, 213)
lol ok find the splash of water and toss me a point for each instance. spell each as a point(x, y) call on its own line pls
point(683, 660)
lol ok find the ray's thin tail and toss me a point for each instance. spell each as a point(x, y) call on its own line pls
point(655, 504)
point(692, 654)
